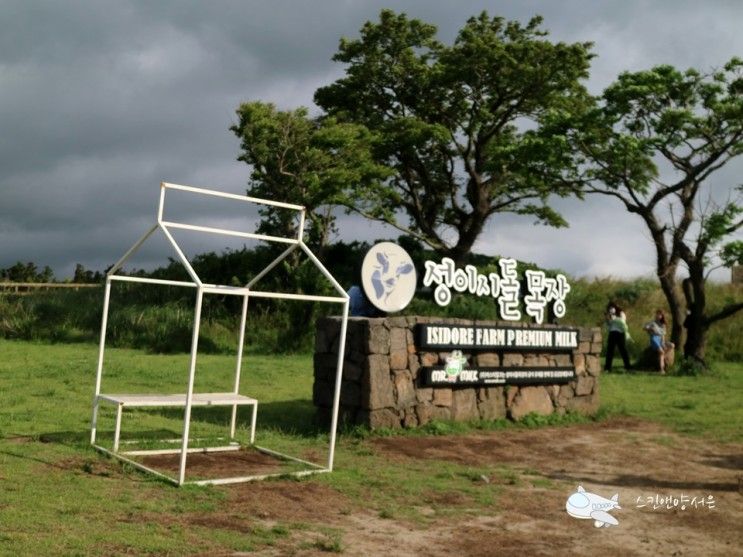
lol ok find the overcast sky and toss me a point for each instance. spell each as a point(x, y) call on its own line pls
point(101, 101)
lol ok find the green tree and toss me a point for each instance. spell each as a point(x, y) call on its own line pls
point(86, 276)
point(308, 161)
point(653, 142)
point(302, 160)
point(459, 125)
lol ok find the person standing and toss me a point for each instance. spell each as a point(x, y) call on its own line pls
point(657, 331)
point(359, 304)
point(616, 324)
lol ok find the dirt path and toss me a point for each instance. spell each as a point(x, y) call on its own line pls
point(635, 459)
point(628, 457)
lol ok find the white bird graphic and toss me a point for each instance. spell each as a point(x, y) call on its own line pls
point(583, 504)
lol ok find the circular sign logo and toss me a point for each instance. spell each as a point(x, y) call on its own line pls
point(388, 277)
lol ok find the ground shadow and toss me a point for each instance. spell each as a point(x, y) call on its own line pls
point(629, 480)
point(294, 417)
point(730, 461)
point(291, 417)
point(83, 437)
point(24, 456)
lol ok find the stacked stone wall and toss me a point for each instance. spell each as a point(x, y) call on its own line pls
point(382, 384)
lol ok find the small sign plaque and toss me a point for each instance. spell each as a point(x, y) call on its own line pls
point(446, 376)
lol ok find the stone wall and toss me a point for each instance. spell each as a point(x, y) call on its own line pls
point(381, 385)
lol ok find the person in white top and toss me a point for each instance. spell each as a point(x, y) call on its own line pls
point(616, 325)
point(656, 329)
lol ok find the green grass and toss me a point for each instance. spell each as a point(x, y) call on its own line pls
point(416, 490)
point(709, 405)
point(59, 497)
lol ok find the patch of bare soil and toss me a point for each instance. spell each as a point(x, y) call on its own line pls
point(632, 458)
point(18, 439)
point(635, 459)
point(224, 464)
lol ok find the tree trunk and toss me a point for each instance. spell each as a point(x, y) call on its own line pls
point(696, 323)
point(665, 268)
point(468, 234)
point(459, 253)
point(675, 305)
point(696, 339)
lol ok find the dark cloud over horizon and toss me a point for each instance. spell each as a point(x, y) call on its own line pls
point(101, 101)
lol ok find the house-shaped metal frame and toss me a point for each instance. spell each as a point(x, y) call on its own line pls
point(188, 399)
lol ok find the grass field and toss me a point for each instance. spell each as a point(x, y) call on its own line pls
point(709, 406)
point(59, 497)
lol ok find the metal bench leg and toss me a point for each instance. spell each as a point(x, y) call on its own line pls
point(94, 422)
point(233, 421)
point(252, 423)
point(117, 430)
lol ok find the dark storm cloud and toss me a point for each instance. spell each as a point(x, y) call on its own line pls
point(100, 101)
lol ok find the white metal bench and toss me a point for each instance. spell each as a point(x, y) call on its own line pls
point(122, 401)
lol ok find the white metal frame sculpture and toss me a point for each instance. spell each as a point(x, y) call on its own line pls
point(234, 398)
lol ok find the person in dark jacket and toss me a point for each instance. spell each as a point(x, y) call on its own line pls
point(359, 304)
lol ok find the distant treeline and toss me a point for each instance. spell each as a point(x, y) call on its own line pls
point(29, 272)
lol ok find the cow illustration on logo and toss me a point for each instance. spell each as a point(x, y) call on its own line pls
point(583, 504)
point(454, 365)
point(388, 277)
point(384, 278)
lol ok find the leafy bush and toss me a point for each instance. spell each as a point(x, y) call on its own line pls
point(692, 367)
point(159, 318)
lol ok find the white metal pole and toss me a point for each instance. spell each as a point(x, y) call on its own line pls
point(161, 205)
point(338, 381)
point(227, 232)
point(238, 368)
point(189, 393)
point(304, 297)
point(300, 232)
point(271, 265)
point(252, 423)
point(323, 270)
point(117, 428)
point(145, 280)
point(179, 252)
point(132, 250)
point(101, 349)
point(233, 196)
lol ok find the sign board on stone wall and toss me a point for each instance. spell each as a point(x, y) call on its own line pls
point(475, 337)
point(391, 381)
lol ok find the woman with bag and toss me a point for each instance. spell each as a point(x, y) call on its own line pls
point(656, 329)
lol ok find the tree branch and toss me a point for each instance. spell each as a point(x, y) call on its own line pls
point(734, 227)
point(432, 239)
point(632, 208)
point(727, 311)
